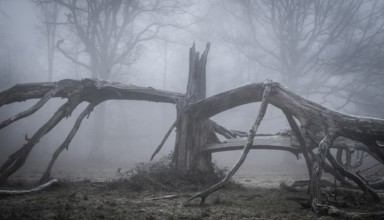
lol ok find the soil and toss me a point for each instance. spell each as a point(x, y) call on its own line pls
point(105, 200)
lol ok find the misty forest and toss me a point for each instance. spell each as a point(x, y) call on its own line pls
point(170, 109)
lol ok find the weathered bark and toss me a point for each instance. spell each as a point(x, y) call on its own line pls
point(319, 126)
point(193, 134)
point(331, 123)
point(302, 142)
point(268, 142)
point(361, 183)
point(90, 90)
point(87, 90)
point(252, 132)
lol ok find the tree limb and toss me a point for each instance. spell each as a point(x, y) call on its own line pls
point(36, 189)
point(263, 108)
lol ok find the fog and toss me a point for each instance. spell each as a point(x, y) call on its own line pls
point(342, 71)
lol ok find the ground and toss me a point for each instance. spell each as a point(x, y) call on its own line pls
point(83, 194)
point(105, 200)
point(95, 200)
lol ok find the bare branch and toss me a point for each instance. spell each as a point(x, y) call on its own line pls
point(66, 142)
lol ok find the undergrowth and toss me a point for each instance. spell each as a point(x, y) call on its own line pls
point(161, 175)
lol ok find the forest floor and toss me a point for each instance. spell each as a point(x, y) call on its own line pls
point(108, 200)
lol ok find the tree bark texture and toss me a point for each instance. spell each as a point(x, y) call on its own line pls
point(192, 135)
point(87, 90)
point(313, 118)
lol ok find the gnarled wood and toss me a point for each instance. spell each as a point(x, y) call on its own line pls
point(268, 142)
point(92, 91)
point(252, 132)
point(333, 124)
point(313, 125)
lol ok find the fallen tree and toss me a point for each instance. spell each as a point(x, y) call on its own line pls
point(315, 120)
point(92, 91)
point(312, 127)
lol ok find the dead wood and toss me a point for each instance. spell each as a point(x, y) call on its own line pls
point(36, 189)
point(92, 91)
point(361, 183)
point(193, 134)
point(263, 108)
point(157, 150)
point(17, 159)
point(66, 142)
point(302, 142)
point(333, 211)
point(227, 133)
point(313, 125)
point(268, 142)
point(172, 196)
point(330, 124)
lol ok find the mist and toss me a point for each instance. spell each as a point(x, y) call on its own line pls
point(327, 69)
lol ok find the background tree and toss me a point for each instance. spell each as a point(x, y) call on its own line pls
point(296, 41)
point(49, 11)
point(329, 51)
point(111, 32)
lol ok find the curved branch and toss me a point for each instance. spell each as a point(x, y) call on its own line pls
point(31, 110)
point(263, 108)
point(89, 90)
point(36, 189)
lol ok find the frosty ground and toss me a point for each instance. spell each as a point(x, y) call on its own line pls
point(255, 196)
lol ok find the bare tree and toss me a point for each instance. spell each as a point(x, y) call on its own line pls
point(111, 32)
point(297, 39)
point(49, 12)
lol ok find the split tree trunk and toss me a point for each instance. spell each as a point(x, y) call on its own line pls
point(192, 135)
point(321, 126)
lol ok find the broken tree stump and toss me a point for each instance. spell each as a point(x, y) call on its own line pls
point(192, 135)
